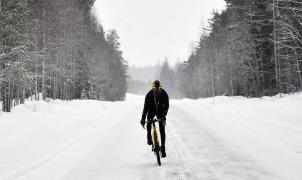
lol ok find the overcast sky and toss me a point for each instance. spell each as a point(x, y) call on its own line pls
point(151, 30)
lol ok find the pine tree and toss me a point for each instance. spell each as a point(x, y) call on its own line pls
point(253, 48)
point(57, 49)
point(167, 77)
point(15, 46)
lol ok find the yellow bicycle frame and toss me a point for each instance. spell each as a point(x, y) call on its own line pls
point(155, 138)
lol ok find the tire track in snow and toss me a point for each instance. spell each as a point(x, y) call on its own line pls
point(194, 152)
point(115, 157)
point(25, 172)
point(66, 152)
point(174, 166)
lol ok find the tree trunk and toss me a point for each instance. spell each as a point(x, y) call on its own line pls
point(22, 100)
point(36, 81)
point(298, 70)
point(275, 47)
point(6, 106)
point(231, 70)
point(6, 100)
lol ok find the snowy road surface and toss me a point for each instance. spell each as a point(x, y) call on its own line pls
point(238, 138)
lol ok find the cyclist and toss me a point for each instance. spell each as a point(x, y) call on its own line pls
point(156, 104)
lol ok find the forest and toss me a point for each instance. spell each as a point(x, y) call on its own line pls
point(57, 49)
point(253, 48)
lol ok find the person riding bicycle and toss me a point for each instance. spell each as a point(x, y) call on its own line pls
point(156, 104)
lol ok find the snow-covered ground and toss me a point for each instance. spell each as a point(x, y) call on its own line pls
point(234, 138)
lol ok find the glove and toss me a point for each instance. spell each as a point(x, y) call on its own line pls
point(143, 122)
point(164, 120)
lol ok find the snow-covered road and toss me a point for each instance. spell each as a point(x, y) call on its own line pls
point(238, 138)
point(194, 153)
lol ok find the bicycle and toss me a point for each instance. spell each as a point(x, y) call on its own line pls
point(156, 148)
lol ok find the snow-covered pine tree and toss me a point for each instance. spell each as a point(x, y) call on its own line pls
point(253, 48)
point(60, 50)
point(167, 77)
point(15, 46)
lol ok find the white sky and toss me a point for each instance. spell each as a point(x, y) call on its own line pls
point(151, 30)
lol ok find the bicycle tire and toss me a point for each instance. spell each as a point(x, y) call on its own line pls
point(156, 146)
point(158, 157)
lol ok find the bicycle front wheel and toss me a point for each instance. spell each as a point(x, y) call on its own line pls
point(158, 157)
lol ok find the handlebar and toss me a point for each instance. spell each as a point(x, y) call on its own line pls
point(154, 120)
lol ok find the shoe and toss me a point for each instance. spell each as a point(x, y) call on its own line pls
point(163, 152)
point(149, 142)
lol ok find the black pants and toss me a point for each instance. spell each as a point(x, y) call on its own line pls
point(161, 130)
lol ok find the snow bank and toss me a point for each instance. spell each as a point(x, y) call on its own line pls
point(35, 131)
point(268, 129)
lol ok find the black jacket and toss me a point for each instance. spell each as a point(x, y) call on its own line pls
point(150, 107)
